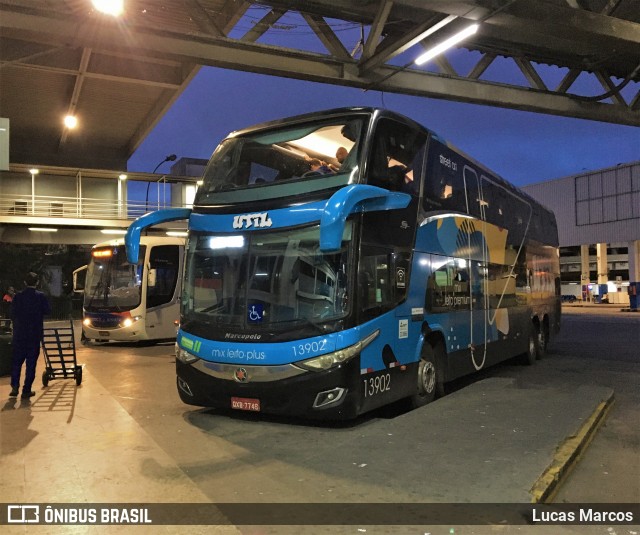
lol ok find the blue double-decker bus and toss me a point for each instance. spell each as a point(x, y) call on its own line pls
point(342, 260)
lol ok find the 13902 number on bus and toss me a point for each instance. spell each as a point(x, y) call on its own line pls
point(377, 385)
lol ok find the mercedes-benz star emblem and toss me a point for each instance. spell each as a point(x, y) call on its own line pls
point(241, 375)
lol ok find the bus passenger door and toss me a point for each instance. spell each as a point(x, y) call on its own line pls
point(163, 292)
point(477, 258)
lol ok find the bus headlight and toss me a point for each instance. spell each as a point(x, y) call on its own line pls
point(325, 362)
point(184, 356)
point(130, 321)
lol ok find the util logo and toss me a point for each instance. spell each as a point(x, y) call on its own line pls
point(252, 220)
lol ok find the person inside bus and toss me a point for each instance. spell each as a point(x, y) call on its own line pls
point(27, 312)
point(341, 155)
point(317, 167)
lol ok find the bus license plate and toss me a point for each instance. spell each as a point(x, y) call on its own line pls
point(245, 404)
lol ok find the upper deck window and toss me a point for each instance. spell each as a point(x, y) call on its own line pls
point(397, 155)
point(284, 162)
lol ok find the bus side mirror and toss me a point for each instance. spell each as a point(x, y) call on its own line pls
point(79, 279)
point(151, 277)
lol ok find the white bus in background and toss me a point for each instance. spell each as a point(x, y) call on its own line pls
point(127, 302)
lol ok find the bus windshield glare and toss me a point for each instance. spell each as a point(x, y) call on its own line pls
point(266, 280)
point(114, 284)
point(291, 161)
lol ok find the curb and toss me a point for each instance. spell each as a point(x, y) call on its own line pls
point(568, 453)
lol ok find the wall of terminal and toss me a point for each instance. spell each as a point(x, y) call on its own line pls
point(595, 207)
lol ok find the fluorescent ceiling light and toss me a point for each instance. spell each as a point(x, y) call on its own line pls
point(122, 177)
point(177, 234)
point(34, 171)
point(113, 231)
point(43, 229)
point(446, 45)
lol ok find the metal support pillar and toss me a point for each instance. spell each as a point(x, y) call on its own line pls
point(585, 277)
point(634, 275)
point(603, 272)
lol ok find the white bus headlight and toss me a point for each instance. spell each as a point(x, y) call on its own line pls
point(184, 356)
point(325, 362)
point(130, 321)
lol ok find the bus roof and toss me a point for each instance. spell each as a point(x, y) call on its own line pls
point(144, 240)
point(374, 112)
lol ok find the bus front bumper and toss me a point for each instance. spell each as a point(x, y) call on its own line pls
point(331, 394)
point(132, 333)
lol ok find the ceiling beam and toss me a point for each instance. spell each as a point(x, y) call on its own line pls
point(543, 18)
point(530, 74)
point(173, 82)
point(390, 48)
point(263, 25)
point(75, 95)
point(232, 12)
point(376, 29)
point(202, 19)
point(284, 62)
point(327, 36)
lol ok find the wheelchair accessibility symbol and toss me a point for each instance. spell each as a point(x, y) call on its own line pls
point(256, 313)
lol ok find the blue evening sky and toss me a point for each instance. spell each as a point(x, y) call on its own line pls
point(523, 147)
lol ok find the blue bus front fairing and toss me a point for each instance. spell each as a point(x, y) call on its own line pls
point(290, 377)
point(282, 271)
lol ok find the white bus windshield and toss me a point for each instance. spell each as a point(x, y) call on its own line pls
point(269, 280)
point(112, 283)
point(291, 160)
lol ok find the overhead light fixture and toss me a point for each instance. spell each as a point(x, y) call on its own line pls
point(199, 182)
point(113, 231)
point(109, 7)
point(34, 171)
point(177, 234)
point(42, 229)
point(71, 121)
point(122, 177)
point(446, 45)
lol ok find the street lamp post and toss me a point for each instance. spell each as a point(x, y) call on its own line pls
point(170, 158)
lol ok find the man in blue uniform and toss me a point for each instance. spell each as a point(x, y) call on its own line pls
point(28, 309)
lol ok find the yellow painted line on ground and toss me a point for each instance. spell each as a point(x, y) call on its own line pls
point(567, 455)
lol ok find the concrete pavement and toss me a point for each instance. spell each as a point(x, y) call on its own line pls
point(493, 441)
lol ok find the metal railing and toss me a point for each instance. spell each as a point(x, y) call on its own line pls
point(73, 207)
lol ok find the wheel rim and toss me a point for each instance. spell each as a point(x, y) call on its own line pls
point(427, 378)
point(542, 339)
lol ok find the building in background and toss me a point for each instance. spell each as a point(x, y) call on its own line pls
point(598, 215)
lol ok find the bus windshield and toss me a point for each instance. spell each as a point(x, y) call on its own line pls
point(267, 281)
point(290, 160)
point(112, 283)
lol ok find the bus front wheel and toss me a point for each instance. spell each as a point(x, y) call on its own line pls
point(531, 354)
point(541, 342)
point(428, 384)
